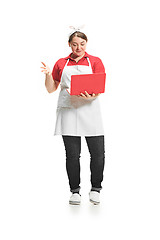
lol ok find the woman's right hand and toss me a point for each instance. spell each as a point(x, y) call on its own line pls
point(46, 69)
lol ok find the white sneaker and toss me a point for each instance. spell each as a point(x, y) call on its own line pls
point(94, 197)
point(75, 199)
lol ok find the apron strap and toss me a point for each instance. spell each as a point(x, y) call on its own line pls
point(66, 62)
point(89, 63)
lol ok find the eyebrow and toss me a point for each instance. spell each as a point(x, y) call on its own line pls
point(81, 42)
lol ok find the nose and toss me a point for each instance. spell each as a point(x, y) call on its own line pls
point(78, 47)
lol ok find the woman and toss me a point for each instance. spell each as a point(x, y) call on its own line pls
point(78, 116)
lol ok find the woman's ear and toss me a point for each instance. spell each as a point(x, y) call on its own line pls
point(69, 44)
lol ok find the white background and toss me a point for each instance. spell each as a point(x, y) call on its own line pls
point(34, 190)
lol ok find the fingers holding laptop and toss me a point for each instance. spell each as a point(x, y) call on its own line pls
point(89, 96)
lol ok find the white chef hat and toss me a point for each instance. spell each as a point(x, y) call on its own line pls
point(75, 29)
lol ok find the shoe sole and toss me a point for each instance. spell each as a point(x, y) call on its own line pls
point(95, 203)
point(74, 203)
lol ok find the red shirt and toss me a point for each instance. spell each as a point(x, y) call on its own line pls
point(96, 64)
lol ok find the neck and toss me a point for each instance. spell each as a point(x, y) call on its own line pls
point(76, 58)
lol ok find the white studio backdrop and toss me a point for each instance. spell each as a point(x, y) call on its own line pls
point(34, 189)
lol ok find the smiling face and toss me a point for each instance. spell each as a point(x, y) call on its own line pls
point(78, 46)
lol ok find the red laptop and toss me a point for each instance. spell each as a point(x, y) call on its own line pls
point(92, 83)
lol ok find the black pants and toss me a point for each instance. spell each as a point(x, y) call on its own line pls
point(96, 148)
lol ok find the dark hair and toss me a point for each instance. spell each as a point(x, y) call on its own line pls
point(78, 34)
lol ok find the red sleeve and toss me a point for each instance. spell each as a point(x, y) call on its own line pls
point(98, 66)
point(56, 72)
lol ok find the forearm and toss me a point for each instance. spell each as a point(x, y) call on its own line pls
point(50, 84)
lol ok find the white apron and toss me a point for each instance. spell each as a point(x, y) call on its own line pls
point(77, 116)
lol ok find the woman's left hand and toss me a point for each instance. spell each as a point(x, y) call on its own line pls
point(88, 96)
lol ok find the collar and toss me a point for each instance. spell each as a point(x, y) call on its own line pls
point(69, 57)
